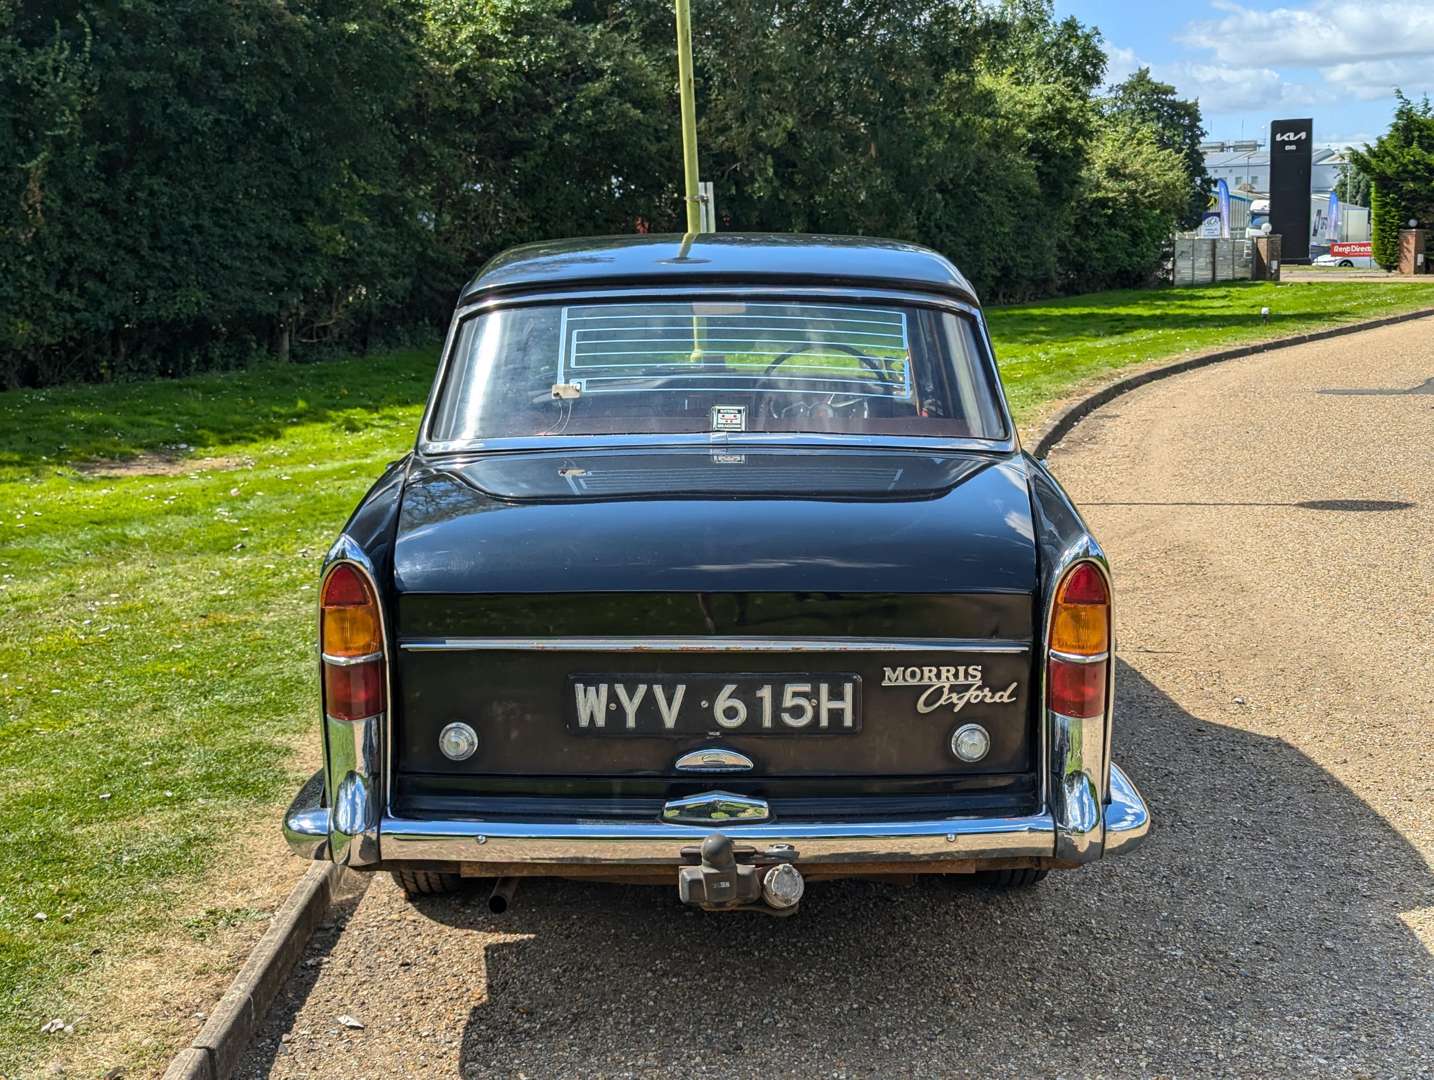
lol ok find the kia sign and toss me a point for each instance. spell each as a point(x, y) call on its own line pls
point(1291, 142)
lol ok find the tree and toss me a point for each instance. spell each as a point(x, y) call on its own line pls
point(1134, 189)
point(1352, 187)
point(538, 121)
point(1400, 166)
point(1177, 126)
point(956, 123)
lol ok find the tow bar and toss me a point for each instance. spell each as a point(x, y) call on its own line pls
point(720, 876)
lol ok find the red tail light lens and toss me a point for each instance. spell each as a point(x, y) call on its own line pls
point(1075, 689)
point(1079, 661)
point(354, 691)
point(351, 639)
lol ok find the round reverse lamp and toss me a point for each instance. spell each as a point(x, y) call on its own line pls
point(971, 742)
point(459, 742)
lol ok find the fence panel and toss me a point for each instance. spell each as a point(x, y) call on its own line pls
point(1202, 261)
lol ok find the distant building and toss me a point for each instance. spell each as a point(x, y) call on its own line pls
point(1245, 166)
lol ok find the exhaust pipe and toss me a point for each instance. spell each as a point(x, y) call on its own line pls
point(502, 895)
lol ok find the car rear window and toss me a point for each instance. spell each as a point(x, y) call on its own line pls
point(568, 370)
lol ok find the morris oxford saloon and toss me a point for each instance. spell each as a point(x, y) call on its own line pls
point(717, 563)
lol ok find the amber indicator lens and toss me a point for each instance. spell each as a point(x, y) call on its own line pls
point(350, 623)
point(1080, 620)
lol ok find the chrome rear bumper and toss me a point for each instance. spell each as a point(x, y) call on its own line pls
point(1125, 822)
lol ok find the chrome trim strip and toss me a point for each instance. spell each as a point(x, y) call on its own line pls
point(993, 369)
point(350, 661)
point(1077, 658)
point(589, 843)
point(709, 644)
point(360, 720)
point(749, 440)
point(488, 300)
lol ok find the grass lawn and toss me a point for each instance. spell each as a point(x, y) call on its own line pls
point(1046, 349)
point(156, 656)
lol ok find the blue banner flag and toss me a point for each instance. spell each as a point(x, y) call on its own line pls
point(1222, 201)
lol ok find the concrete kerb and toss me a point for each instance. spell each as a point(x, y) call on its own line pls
point(217, 1049)
point(1059, 426)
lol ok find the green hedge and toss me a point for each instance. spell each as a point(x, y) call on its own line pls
point(1387, 216)
point(186, 183)
point(1400, 167)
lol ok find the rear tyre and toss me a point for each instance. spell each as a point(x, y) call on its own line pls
point(1346, 263)
point(417, 883)
point(1011, 879)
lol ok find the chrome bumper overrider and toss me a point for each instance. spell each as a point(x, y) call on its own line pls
point(1123, 824)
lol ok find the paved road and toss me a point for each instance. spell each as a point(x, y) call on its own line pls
point(1275, 705)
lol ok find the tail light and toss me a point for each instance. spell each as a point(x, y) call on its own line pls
point(1078, 661)
point(351, 640)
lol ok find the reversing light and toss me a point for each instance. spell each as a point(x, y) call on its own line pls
point(1078, 659)
point(970, 742)
point(351, 641)
point(459, 742)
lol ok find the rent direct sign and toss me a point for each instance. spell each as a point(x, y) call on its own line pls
point(1353, 247)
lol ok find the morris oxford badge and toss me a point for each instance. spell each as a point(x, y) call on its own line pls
point(956, 686)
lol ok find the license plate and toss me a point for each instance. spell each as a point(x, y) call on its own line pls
point(706, 704)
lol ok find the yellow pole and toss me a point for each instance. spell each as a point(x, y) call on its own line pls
point(687, 96)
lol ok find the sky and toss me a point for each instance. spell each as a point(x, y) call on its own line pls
point(1252, 61)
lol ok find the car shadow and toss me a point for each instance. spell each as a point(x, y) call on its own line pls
point(1259, 930)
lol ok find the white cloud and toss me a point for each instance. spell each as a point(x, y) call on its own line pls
point(1352, 50)
point(1370, 80)
point(1219, 87)
point(1319, 34)
point(1120, 63)
point(1223, 88)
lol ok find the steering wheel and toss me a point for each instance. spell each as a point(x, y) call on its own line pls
point(858, 407)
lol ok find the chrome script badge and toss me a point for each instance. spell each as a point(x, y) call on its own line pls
point(956, 686)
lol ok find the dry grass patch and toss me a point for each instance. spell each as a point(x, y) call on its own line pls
point(160, 463)
point(136, 1008)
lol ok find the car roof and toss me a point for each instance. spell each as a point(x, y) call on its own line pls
point(721, 258)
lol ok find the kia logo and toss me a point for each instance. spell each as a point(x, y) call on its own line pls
point(1290, 136)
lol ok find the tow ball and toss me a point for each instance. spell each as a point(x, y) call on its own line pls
point(721, 876)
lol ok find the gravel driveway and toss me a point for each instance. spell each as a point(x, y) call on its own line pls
point(1276, 706)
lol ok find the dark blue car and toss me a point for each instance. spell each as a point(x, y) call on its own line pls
point(717, 562)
